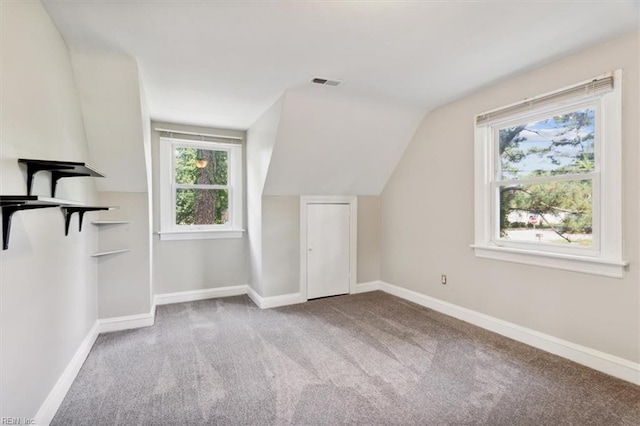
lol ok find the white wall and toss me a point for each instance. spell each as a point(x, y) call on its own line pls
point(146, 142)
point(281, 243)
point(123, 278)
point(261, 138)
point(194, 264)
point(427, 219)
point(334, 142)
point(117, 127)
point(110, 94)
point(317, 142)
point(48, 281)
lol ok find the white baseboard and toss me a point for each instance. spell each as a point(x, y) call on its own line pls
point(128, 322)
point(51, 404)
point(254, 296)
point(601, 361)
point(190, 296)
point(274, 301)
point(368, 286)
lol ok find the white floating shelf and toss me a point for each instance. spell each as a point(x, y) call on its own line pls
point(109, 222)
point(106, 253)
point(61, 201)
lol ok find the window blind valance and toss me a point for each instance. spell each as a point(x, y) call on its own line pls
point(199, 137)
point(594, 87)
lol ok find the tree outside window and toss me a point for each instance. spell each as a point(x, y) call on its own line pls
point(546, 171)
point(202, 193)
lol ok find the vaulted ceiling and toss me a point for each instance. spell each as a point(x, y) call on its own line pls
point(222, 63)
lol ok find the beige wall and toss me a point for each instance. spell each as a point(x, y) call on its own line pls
point(124, 279)
point(194, 264)
point(48, 282)
point(427, 219)
point(368, 239)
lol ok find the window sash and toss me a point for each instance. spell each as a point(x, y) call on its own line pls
point(593, 103)
point(592, 250)
point(176, 186)
point(496, 182)
point(199, 186)
point(174, 165)
point(169, 188)
point(228, 225)
point(546, 179)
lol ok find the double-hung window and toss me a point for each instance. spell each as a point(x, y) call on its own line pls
point(548, 179)
point(201, 189)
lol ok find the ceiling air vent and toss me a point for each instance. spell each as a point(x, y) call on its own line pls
point(326, 81)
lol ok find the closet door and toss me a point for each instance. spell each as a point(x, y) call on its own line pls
point(327, 250)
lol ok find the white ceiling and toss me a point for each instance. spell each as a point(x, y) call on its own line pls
point(222, 63)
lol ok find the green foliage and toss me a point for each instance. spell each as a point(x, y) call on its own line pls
point(198, 206)
point(570, 200)
point(570, 152)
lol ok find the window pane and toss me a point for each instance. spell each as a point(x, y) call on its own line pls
point(556, 212)
point(557, 145)
point(202, 206)
point(201, 166)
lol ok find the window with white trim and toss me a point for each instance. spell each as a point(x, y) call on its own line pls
point(200, 189)
point(548, 179)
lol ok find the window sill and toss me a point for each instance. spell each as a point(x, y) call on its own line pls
point(201, 235)
point(568, 262)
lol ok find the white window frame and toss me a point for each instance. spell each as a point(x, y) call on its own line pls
point(604, 257)
point(169, 230)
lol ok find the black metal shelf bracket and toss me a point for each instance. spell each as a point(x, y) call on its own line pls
point(57, 175)
point(81, 210)
point(58, 169)
point(9, 207)
point(32, 169)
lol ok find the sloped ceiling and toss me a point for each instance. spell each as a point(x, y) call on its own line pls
point(332, 142)
point(223, 63)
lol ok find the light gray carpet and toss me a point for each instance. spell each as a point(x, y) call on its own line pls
point(363, 359)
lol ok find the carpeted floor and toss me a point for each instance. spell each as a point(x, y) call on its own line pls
point(364, 359)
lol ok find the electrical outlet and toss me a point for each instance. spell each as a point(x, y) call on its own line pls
point(443, 279)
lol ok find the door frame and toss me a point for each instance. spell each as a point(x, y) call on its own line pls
point(352, 201)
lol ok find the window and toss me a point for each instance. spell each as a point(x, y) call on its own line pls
point(201, 189)
point(548, 180)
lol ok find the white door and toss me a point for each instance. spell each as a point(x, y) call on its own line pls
point(327, 250)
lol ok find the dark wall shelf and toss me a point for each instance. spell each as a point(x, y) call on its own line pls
point(14, 203)
point(58, 169)
point(81, 210)
point(8, 200)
